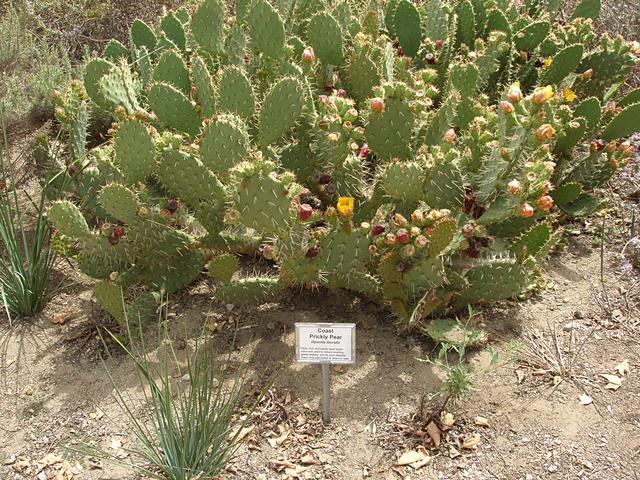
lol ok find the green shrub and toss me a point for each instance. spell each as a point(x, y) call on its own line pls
point(430, 181)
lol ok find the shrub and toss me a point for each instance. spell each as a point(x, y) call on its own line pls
point(30, 68)
point(425, 163)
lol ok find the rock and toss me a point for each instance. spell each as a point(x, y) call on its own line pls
point(632, 251)
point(578, 314)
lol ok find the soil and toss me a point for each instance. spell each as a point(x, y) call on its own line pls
point(56, 393)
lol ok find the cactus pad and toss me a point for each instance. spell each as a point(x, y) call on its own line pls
point(68, 219)
point(325, 35)
point(174, 109)
point(340, 252)
point(263, 204)
point(223, 267)
point(224, 143)
point(250, 289)
point(281, 109)
point(135, 151)
point(404, 181)
point(207, 25)
point(172, 70)
point(235, 93)
point(266, 29)
point(120, 202)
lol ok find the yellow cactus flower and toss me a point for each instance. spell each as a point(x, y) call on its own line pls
point(569, 95)
point(345, 206)
point(542, 94)
point(547, 62)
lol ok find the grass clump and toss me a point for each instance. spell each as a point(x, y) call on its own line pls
point(26, 256)
point(186, 425)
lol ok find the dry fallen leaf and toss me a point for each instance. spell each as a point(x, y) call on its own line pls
point(614, 381)
point(623, 368)
point(434, 432)
point(279, 440)
point(585, 399)
point(412, 456)
point(481, 421)
point(471, 441)
point(97, 415)
point(60, 318)
point(453, 452)
point(308, 459)
point(446, 420)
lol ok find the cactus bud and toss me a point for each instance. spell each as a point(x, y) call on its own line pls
point(626, 148)
point(118, 231)
point(545, 202)
point(377, 230)
point(415, 231)
point(341, 93)
point(114, 240)
point(597, 145)
point(421, 241)
point(542, 94)
point(526, 210)
point(550, 167)
point(450, 136)
point(143, 212)
point(507, 107)
point(377, 104)
point(312, 252)
point(391, 239)
point(106, 229)
point(430, 58)
point(372, 249)
point(545, 132)
point(364, 151)
point(305, 212)
point(417, 216)
point(402, 235)
point(72, 169)
point(323, 178)
point(408, 250)
point(308, 55)
point(439, 44)
point(399, 220)
point(172, 206)
point(514, 187)
point(514, 94)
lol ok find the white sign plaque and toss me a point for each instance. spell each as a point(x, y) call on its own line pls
point(326, 343)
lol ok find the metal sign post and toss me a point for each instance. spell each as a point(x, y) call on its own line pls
point(326, 393)
point(327, 344)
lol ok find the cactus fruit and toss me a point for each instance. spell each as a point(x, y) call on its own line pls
point(418, 160)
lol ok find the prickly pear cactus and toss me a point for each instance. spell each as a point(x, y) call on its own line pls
point(421, 154)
